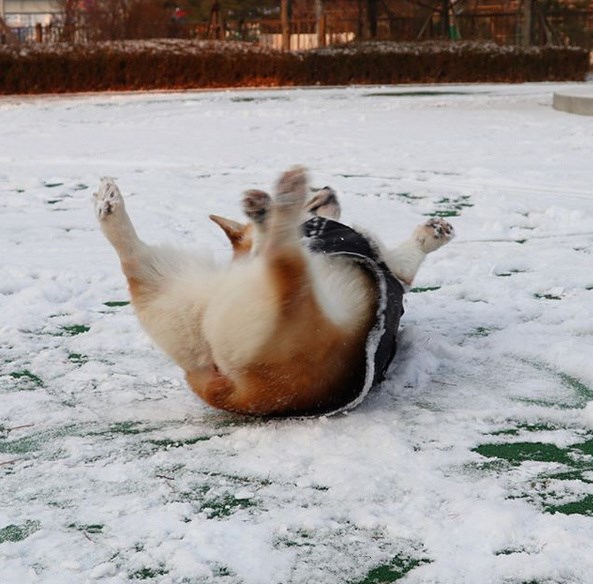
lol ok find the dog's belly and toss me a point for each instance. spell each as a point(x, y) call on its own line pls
point(269, 360)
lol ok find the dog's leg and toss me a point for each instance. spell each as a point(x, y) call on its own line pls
point(256, 205)
point(117, 227)
point(169, 287)
point(248, 323)
point(147, 268)
point(324, 204)
point(283, 249)
point(405, 260)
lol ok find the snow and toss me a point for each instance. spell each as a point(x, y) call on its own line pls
point(471, 463)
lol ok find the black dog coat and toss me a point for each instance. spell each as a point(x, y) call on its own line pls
point(335, 239)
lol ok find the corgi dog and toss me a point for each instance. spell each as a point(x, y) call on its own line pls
point(303, 321)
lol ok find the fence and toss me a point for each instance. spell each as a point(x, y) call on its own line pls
point(567, 27)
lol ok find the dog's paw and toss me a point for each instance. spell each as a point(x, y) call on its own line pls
point(441, 229)
point(325, 204)
point(435, 233)
point(108, 199)
point(291, 190)
point(256, 204)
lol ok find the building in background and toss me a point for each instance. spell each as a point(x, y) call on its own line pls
point(22, 16)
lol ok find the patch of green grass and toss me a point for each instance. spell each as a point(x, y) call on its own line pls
point(547, 296)
point(450, 207)
point(218, 495)
point(583, 393)
point(27, 380)
point(419, 290)
point(221, 505)
point(91, 528)
point(300, 538)
point(15, 533)
point(482, 331)
point(509, 273)
point(73, 330)
point(570, 475)
point(20, 445)
point(169, 443)
point(127, 428)
point(493, 466)
point(149, 573)
point(409, 196)
point(34, 441)
point(520, 241)
point(518, 452)
point(116, 303)
point(560, 487)
point(510, 551)
point(220, 571)
point(444, 213)
point(53, 185)
point(586, 448)
point(393, 571)
point(583, 506)
point(514, 431)
point(78, 358)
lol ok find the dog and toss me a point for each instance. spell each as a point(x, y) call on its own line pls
point(303, 320)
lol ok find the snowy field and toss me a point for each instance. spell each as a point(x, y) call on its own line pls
point(471, 464)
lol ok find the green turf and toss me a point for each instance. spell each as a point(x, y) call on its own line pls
point(16, 533)
point(392, 571)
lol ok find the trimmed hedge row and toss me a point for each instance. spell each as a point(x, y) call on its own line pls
point(181, 64)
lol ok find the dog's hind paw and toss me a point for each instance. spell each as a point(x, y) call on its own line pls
point(256, 204)
point(291, 190)
point(442, 229)
point(108, 199)
point(435, 233)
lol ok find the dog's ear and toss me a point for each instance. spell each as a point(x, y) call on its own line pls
point(239, 234)
point(233, 229)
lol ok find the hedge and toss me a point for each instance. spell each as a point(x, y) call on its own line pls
point(179, 64)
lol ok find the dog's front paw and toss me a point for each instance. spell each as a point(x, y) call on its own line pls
point(291, 190)
point(256, 204)
point(108, 199)
point(435, 233)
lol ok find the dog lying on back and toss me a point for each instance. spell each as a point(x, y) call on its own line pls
point(303, 320)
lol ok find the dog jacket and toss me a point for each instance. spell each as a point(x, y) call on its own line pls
point(336, 239)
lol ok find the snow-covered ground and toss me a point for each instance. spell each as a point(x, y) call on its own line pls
point(471, 464)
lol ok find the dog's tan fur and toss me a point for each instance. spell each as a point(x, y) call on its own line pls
point(279, 331)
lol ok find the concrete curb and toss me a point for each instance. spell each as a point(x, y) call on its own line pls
point(574, 103)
